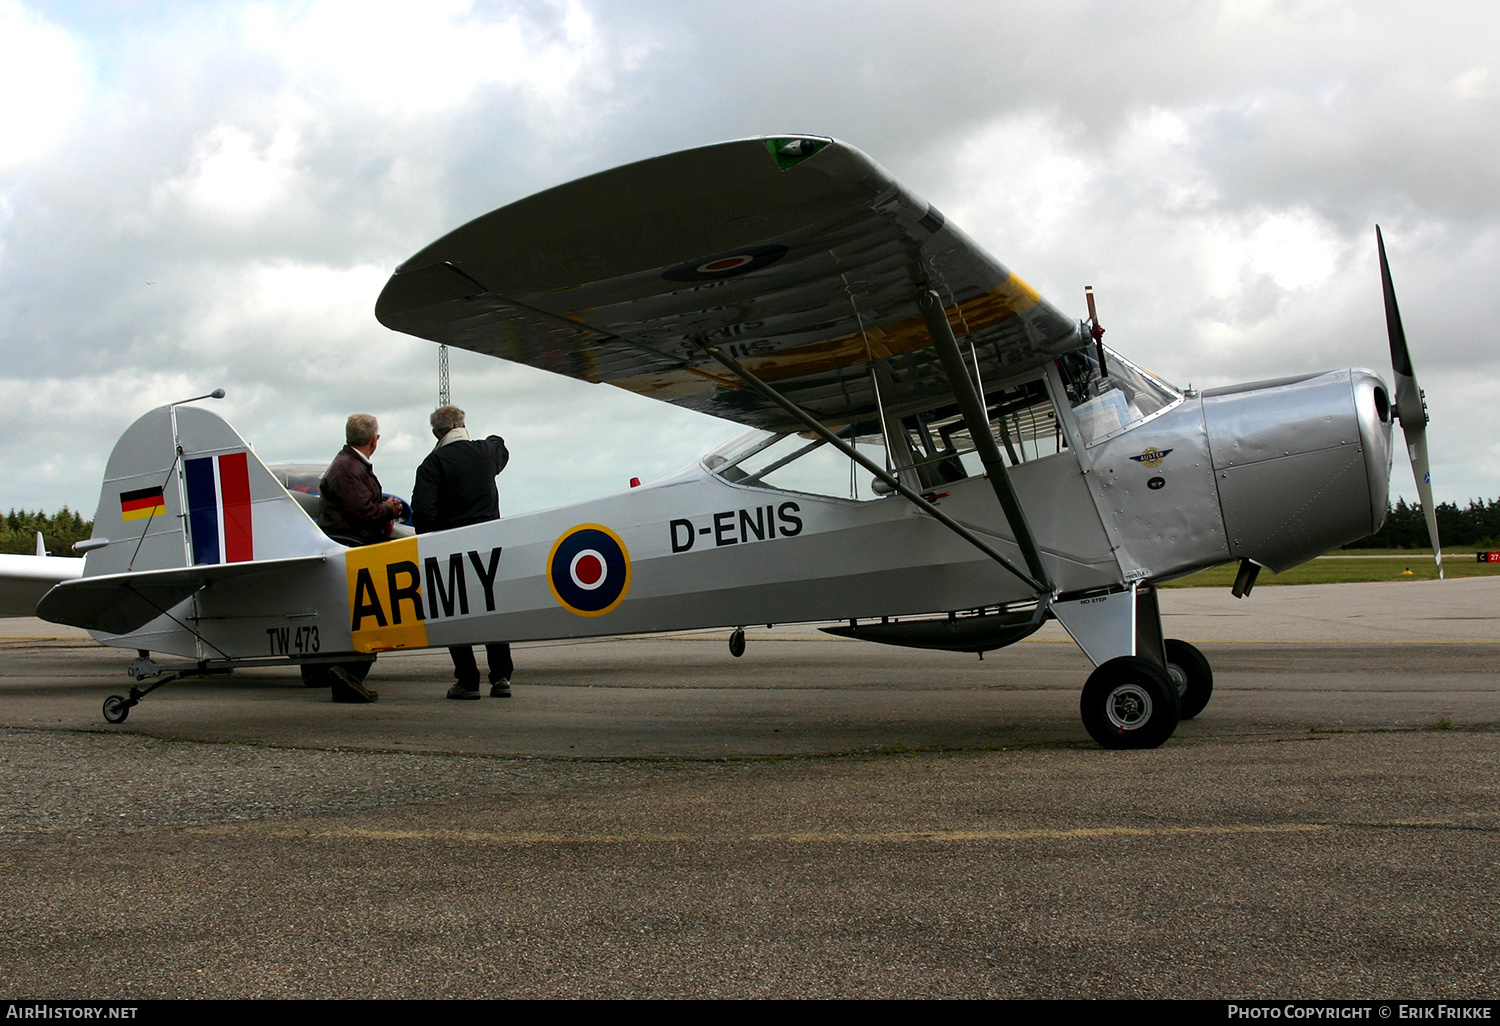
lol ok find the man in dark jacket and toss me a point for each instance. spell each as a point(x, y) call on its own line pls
point(456, 487)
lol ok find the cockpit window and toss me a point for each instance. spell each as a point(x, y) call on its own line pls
point(797, 463)
point(1023, 423)
point(926, 450)
point(1108, 403)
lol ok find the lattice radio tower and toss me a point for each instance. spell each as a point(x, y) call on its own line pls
point(443, 397)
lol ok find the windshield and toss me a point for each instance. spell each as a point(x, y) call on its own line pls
point(1108, 403)
point(299, 475)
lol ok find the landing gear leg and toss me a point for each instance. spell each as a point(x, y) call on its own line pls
point(1132, 699)
point(117, 708)
point(143, 667)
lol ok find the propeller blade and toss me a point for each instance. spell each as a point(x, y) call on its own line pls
point(1416, 448)
point(1411, 404)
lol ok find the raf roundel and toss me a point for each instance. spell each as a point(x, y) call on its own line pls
point(589, 570)
point(727, 264)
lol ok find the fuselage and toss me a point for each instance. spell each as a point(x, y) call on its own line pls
point(1273, 472)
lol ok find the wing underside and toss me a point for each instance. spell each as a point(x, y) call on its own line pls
point(800, 257)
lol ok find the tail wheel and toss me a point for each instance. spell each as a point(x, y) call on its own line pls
point(117, 708)
point(1194, 678)
point(1130, 702)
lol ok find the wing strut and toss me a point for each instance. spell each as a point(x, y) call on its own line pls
point(1043, 590)
point(978, 423)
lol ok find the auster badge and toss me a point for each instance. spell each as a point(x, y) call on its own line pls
point(1152, 457)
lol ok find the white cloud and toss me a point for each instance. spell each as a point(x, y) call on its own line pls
point(233, 179)
point(1473, 84)
point(412, 60)
point(43, 81)
point(59, 431)
point(1294, 248)
point(289, 311)
point(1028, 181)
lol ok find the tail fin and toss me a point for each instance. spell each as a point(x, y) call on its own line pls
point(182, 489)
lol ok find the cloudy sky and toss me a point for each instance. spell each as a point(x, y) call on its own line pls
point(200, 195)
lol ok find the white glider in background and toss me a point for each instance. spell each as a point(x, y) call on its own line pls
point(25, 579)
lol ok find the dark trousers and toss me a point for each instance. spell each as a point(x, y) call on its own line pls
point(466, 670)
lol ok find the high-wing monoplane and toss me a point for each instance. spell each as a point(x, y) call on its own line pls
point(934, 455)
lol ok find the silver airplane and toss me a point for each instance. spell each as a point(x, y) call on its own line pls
point(935, 456)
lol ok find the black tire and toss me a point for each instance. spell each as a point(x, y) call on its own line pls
point(116, 709)
point(1194, 678)
point(1129, 702)
point(316, 675)
point(737, 643)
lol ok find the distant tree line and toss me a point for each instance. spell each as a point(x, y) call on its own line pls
point(59, 531)
point(1477, 524)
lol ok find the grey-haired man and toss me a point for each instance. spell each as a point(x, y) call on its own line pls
point(456, 487)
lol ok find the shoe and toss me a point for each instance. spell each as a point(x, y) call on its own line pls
point(461, 690)
point(349, 688)
point(500, 688)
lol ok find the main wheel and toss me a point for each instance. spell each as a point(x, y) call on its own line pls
point(1129, 702)
point(737, 643)
point(1194, 678)
point(316, 675)
point(116, 709)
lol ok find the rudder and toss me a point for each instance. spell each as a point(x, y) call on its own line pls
point(182, 488)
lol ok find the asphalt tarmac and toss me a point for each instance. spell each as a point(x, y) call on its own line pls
point(821, 818)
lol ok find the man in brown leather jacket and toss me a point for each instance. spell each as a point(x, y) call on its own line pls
point(352, 509)
point(351, 506)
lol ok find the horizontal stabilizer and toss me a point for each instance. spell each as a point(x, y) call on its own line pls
point(122, 603)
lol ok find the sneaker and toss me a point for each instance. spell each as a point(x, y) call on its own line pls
point(349, 688)
point(500, 688)
point(462, 690)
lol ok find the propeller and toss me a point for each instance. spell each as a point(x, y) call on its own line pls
point(1411, 404)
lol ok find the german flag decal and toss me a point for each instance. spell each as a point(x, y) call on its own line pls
point(142, 504)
